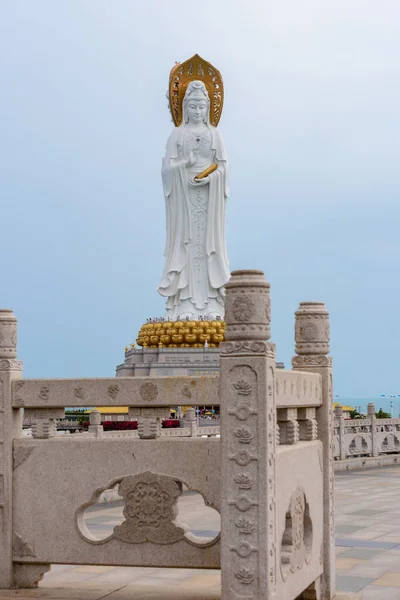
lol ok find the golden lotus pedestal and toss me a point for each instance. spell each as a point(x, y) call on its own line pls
point(181, 334)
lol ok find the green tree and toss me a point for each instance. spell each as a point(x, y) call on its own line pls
point(354, 414)
point(381, 414)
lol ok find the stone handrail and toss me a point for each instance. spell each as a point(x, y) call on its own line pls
point(297, 389)
point(365, 436)
point(124, 391)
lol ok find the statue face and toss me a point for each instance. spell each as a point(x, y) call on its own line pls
point(196, 110)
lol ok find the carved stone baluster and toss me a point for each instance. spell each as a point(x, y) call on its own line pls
point(339, 415)
point(248, 439)
point(44, 421)
point(149, 421)
point(312, 347)
point(95, 425)
point(372, 417)
point(288, 426)
point(308, 426)
point(190, 421)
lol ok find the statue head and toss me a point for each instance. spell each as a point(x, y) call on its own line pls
point(196, 104)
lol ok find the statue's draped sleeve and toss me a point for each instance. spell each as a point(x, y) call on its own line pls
point(174, 180)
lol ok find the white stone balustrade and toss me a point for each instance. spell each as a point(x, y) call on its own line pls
point(365, 437)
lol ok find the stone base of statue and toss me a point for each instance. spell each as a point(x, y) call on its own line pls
point(164, 362)
point(168, 362)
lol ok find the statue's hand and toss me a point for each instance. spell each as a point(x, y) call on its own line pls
point(199, 183)
point(191, 160)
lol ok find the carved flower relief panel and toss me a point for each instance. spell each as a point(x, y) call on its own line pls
point(296, 547)
point(360, 444)
point(244, 385)
point(150, 512)
point(243, 308)
point(243, 473)
point(391, 443)
point(150, 507)
point(149, 391)
point(312, 329)
point(8, 334)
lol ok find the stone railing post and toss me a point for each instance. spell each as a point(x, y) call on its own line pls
point(10, 427)
point(190, 421)
point(95, 425)
point(149, 420)
point(248, 433)
point(339, 415)
point(312, 335)
point(372, 417)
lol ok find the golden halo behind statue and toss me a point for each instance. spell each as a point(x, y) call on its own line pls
point(195, 69)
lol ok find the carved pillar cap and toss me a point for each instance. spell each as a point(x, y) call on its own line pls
point(247, 306)
point(312, 333)
point(339, 411)
point(8, 334)
point(371, 408)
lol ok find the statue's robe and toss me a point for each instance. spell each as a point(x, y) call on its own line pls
point(176, 281)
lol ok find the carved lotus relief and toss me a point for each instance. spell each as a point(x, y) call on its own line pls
point(244, 575)
point(243, 434)
point(243, 387)
point(244, 481)
point(245, 526)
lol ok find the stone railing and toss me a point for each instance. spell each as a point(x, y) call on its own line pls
point(355, 440)
point(190, 430)
point(269, 474)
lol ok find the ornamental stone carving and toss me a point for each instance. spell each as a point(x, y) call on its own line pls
point(10, 365)
point(243, 387)
point(150, 508)
point(112, 391)
point(149, 391)
point(312, 329)
point(245, 526)
point(243, 308)
point(358, 445)
point(8, 334)
point(243, 435)
point(247, 308)
point(245, 576)
point(249, 348)
point(297, 537)
point(244, 481)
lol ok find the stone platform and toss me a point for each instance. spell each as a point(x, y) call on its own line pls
point(168, 362)
point(165, 362)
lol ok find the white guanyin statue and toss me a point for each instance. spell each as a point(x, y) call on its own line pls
point(196, 264)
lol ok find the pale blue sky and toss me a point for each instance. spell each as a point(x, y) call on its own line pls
point(311, 126)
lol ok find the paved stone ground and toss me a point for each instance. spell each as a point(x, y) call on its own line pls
point(368, 532)
point(368, 550)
